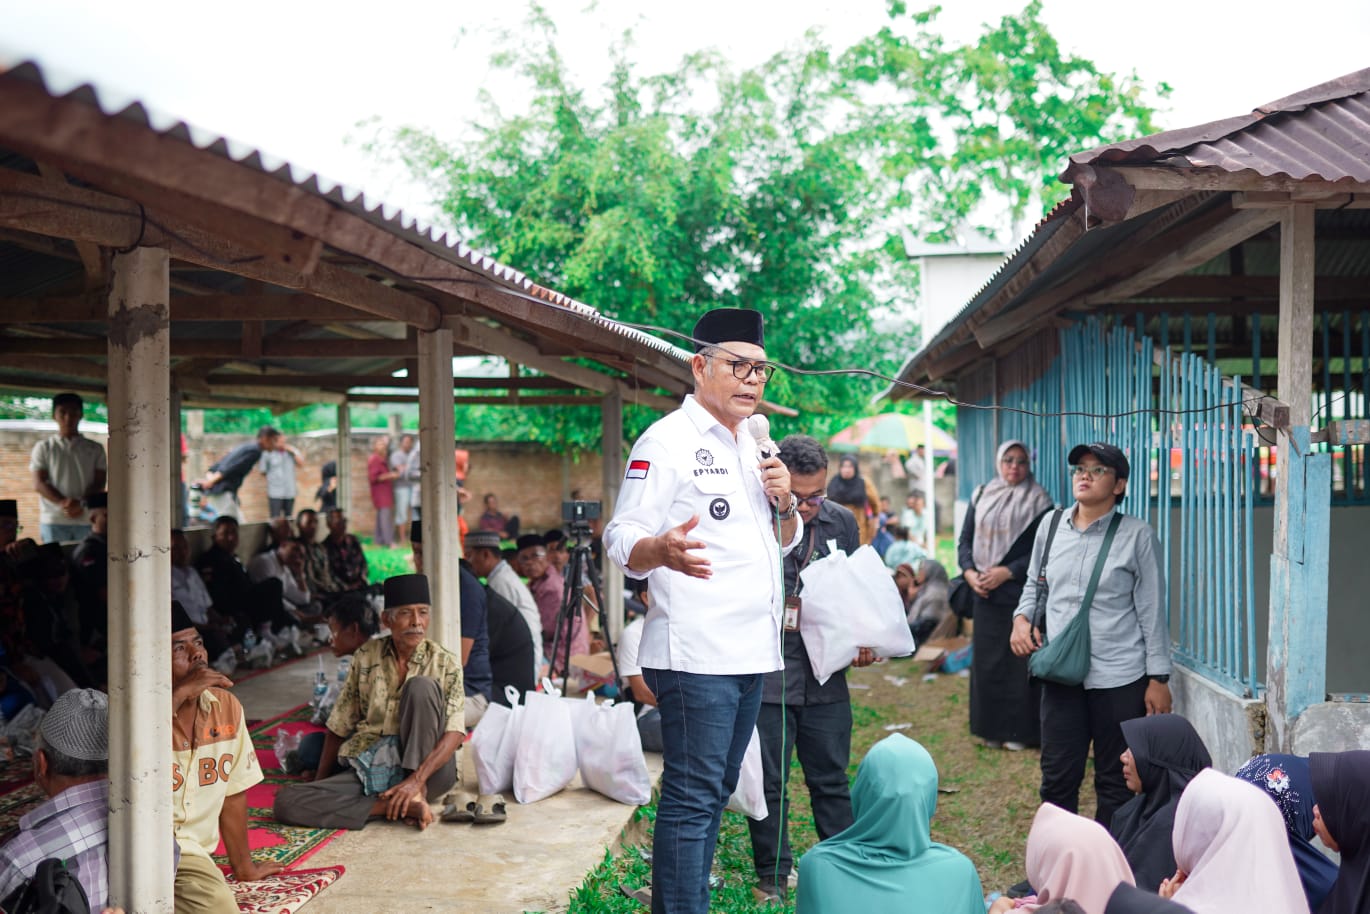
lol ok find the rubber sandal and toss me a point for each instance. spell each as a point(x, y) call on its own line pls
point(462, 809)
point(489, 810)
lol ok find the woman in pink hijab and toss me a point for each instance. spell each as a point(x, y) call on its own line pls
point(1231, 851)
point(1069, 857)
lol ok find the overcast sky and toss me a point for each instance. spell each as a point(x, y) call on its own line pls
point(293, 77)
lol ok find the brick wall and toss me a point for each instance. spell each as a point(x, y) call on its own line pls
point(529, 480)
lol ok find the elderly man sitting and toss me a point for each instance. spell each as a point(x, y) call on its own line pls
point(399, 753)
point(70, 766)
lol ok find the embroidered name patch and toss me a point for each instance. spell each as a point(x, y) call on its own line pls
point(637, 469)
point(719, 509)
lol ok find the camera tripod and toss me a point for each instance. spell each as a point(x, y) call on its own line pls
point(580, 568)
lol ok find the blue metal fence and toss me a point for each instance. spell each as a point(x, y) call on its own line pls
point(1193, 476)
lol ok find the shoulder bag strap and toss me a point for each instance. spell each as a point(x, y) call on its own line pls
point(1099, 563)
point(1046, 549)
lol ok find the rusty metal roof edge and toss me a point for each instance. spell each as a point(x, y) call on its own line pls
point(1174, 142)
point(442, 243)
point(1051, 223)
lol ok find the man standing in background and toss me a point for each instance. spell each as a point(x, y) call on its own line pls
point(404, 462)
point(278, 463)
point(66, 468)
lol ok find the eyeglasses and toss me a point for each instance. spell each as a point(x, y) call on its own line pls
point(1098, 471)
point(743, 369)
point(1015, 461)
point(814, 501)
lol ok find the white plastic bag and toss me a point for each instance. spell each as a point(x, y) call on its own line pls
point(494, 767)
point(609, 752)
point(545, 761)
point(750, 796)
point(851, 602)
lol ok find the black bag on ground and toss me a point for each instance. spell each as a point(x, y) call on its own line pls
point(52, 889)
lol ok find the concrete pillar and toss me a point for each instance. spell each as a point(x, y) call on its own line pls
point(437, 438)
point(177, 467)
point(611, 411)
point(345, 458)
point(140, 838)
point(1296, 670)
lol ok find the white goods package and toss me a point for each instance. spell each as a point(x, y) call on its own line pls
point(498, 727)
point(750, 796)
point(851, 602)
point(609, 752)
point(546, 758)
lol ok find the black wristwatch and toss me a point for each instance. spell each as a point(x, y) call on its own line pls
point(1163, 679)
point(790, 511)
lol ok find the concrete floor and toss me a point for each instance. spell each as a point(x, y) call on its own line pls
point(532, 862)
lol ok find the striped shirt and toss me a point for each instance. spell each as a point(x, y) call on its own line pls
point(72, 826)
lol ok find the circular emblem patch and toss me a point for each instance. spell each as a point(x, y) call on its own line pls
point(719, 509)
point(704, 457)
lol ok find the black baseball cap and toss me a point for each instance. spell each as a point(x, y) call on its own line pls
point(1108, 455)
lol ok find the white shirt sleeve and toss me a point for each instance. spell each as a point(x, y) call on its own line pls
point(644, 503)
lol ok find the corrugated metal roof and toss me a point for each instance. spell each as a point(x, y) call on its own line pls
point(1321, 133)
point(375, 211)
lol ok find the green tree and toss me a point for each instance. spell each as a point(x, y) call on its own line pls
point(786, 188)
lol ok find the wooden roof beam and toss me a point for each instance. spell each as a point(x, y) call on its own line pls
point(340, 380)
point(65, 211)
point(230, 349)
point(487, 400)
point(1164, 177)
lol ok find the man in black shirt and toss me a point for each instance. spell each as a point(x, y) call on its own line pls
point(234, 594)
point(814, 719)
point(226, 475)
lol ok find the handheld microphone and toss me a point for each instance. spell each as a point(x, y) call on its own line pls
point(760, 427)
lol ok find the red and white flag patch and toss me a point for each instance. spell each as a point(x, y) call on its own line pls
point(637, 469)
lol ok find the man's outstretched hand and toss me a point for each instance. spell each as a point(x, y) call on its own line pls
point(674, 550)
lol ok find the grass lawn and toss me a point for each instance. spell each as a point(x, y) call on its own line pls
point(386, 561)
point(985, 811)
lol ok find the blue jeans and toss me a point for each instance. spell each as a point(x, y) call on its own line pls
point(706, 723)
point(63, 533)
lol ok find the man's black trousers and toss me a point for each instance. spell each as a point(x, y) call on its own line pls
point(1072, 718)
point(821, 734)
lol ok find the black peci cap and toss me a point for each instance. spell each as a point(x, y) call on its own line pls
point(1108, 455)
point(407, 590)
point(729, 325)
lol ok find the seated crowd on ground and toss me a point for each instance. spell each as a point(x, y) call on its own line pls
point(1190, 838)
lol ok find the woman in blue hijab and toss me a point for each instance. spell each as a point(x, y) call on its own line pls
point(887, 862)
point(1287, 780)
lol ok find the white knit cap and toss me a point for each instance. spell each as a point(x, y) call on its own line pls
point(77, 725)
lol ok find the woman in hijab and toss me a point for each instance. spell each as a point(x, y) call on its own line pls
point(995, 546)
point(1341, 784)
point(1069, 856)
point(1163, 755)
point(1230, 851)
point(1287, 780)
point(1129, 899)
point(850, 490)
point(886, 861)
point(925, 600)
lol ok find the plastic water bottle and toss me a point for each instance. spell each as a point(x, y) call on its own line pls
point(249, 641)
point(320, 686)
point(344, 667)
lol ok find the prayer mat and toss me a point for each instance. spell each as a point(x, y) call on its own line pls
point(268, 839)
point(15, 771)
point(283, 893)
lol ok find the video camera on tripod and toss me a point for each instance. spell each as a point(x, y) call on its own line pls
point(578, 514)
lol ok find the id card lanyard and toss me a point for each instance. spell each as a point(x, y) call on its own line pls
point(793, 604)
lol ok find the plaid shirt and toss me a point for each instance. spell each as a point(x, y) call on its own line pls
point(72, 826)
point(347, 562)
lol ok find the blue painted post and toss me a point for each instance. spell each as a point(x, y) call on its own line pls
point(1296, 676)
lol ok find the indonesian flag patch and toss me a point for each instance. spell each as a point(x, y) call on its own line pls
point(637, 469)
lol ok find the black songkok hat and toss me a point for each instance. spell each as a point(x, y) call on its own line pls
point(407, 590)
point(729, 325)
point(97, 500)
point(529, 540)
point(180, 620)
point(416, 531)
